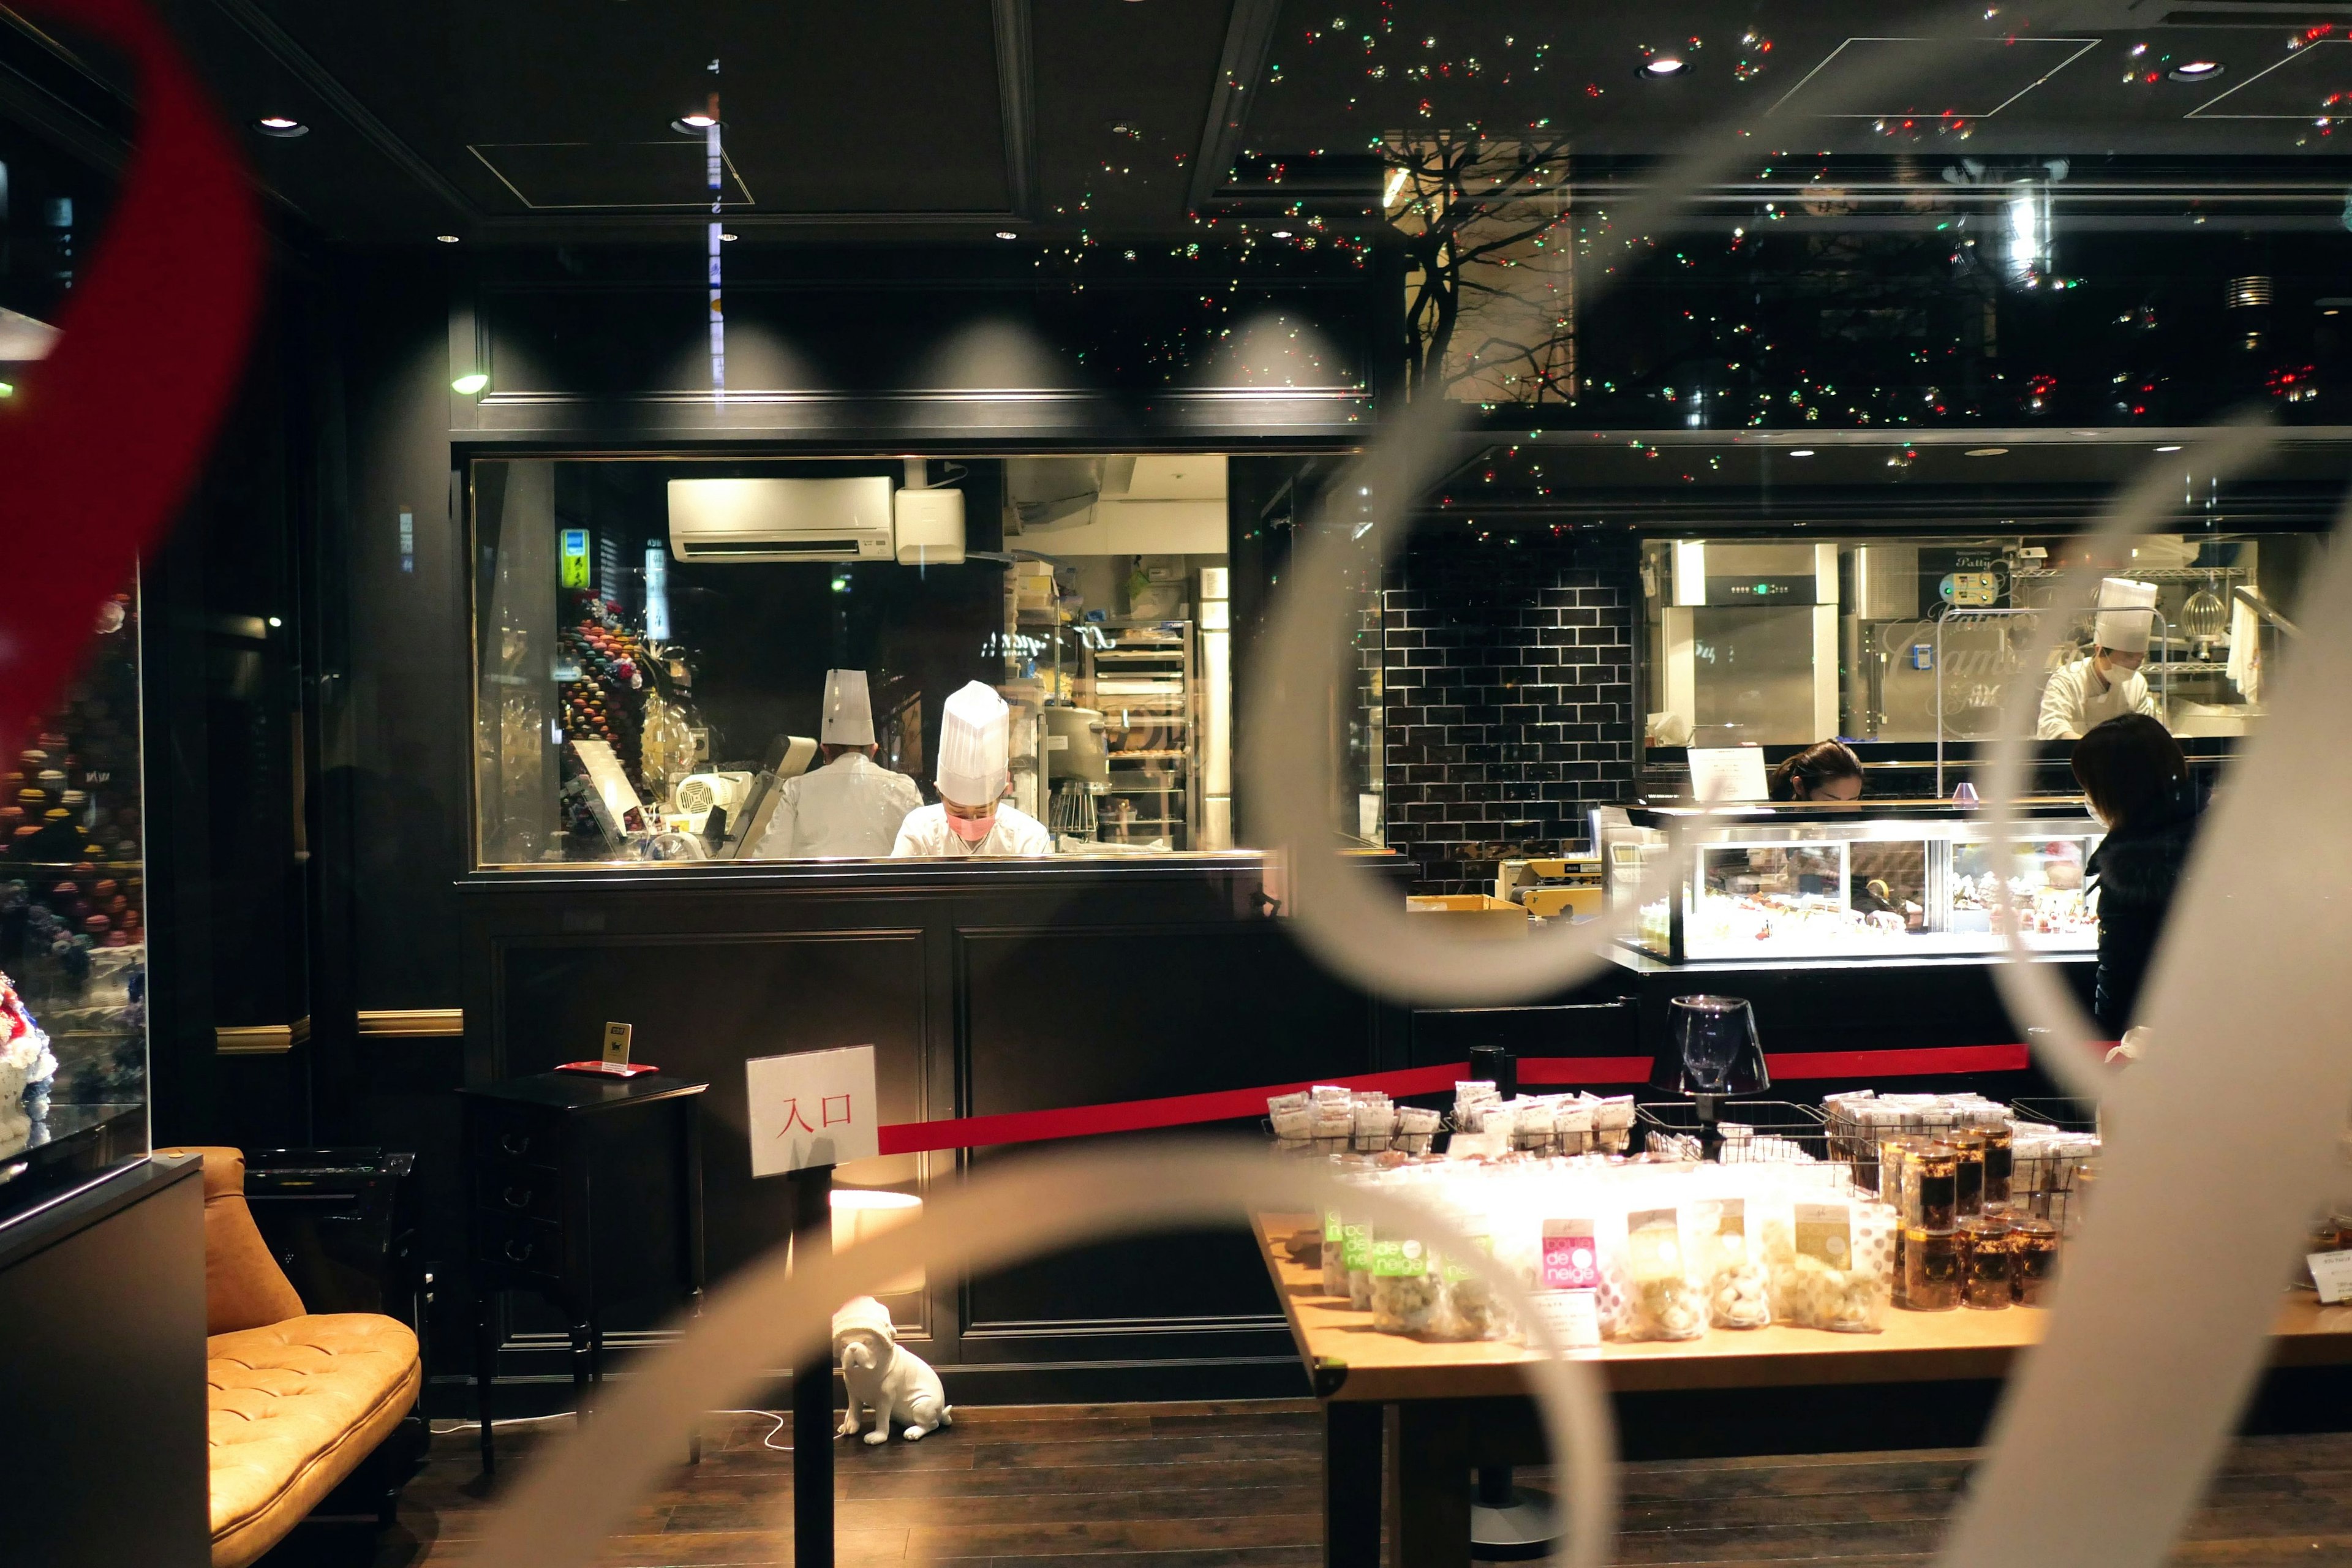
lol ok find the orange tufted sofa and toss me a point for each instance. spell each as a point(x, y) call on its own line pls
point(299, 1401)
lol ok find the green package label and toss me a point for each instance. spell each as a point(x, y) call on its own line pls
point(1332, 1229)
point(1356, 1246)
point(1399, 1259)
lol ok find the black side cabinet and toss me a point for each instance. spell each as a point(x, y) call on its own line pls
point(588, 1191)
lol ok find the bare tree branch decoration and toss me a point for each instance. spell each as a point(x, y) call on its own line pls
point(1486, 249)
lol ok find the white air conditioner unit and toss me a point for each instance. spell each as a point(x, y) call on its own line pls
point(780, 520)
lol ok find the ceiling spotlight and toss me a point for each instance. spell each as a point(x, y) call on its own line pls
point(1006, 234)
point(446, 238)
point(2196, 70)
point(1659, 67)
point(280, 126)
point(2167, 448)
point(727, 237)
point(694, 124)
point(472, 382)
point(1281, 234)
point(1802, 452)
point(1985, 451)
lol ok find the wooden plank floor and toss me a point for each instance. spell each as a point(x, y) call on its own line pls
point(1238, 1486)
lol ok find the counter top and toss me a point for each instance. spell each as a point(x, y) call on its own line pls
point(1340, 1346)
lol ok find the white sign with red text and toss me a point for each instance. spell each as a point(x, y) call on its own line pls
point(812, 1107)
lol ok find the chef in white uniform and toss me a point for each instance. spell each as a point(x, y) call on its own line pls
point(971, 818)
point(2088, 692)
point(851, 806)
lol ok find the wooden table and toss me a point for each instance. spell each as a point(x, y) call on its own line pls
point(1449, 1408)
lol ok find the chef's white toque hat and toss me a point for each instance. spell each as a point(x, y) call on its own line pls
point(974, 732)
point(848, 711)
point(2125, 620)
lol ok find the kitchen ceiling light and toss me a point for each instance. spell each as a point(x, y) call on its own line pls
point(2196, 70)
point(280, 126)
point(470, 382)
point(1986, 451)
point(1657, 68)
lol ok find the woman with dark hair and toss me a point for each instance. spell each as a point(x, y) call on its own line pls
point(2136, 780)
point(1826, 769)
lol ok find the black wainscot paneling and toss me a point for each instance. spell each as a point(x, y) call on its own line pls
point(986, 989)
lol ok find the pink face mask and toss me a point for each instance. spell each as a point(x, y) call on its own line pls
point(971, 829)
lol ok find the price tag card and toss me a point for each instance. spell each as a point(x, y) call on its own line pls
point(2333, 1273)
point(1573, 1316)
point(812, 1107)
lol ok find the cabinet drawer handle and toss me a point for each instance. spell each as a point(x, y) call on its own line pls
point(516, 1198)
point(517, 1143)
point(520, 1251)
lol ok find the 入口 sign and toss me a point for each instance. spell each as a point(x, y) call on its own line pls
point(812, 1107)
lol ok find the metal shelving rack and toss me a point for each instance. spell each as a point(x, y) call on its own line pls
point(1152, 664)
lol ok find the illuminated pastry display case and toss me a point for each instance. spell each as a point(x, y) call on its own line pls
point(73, 942)
point(1875, 881)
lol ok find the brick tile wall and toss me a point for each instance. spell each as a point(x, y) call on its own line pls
point(1509, 679)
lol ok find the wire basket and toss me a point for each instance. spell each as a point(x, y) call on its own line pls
point(2068, 1113)
point(1754, 1132)
point(1855, 1138)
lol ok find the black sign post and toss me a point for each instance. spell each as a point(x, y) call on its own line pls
point(813, 1382)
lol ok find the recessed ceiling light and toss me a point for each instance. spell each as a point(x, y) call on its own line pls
point(727, 237)
point(280, 126)
point(1986, 451)
point(2167, 448)
point(470, 382)
point(446, 238)
point(1802, 452)
point(2196, 70)
point(1281, 234)
point(695, 124)
point(1006, 234)
point(1658, 66)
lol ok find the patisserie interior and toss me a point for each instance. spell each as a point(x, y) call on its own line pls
point(1273, 711)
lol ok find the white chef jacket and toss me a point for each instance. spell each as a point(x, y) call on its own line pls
point(1014, 832)
point(850, 807)
point(2072, 704)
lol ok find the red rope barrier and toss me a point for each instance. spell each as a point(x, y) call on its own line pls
point(1230, 1104)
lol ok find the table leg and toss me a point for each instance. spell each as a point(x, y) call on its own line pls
point(1428, 1482)
point(486, 1370)
point(1351, 1484)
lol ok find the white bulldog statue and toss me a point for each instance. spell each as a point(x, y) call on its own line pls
point(894, 1384)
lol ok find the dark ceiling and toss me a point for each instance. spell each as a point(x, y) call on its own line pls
point(551, 119)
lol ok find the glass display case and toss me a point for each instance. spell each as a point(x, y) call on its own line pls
point(1875, 881)
point(73, 953)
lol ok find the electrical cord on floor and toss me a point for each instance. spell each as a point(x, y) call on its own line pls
point(767, 1439)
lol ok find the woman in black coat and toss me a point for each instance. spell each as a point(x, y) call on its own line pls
point(2136, 780)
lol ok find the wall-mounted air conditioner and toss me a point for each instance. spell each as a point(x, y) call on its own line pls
point(780, 520)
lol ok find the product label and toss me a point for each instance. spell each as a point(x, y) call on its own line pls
point(1333, 1230)
point(1573, 1316)
point(1399, 1259)
point(1571, 1261)
point(1455, 1273)
point(1356, 1246)
point(1734, 1221)
point(2332, 1271)
point(1825, 1231)
point(575, 558)
point(1491, 1143)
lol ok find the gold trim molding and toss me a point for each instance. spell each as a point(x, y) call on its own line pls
point(261, 1039)
point(412, 1022)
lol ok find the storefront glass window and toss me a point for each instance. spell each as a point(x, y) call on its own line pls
point(687, 660)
